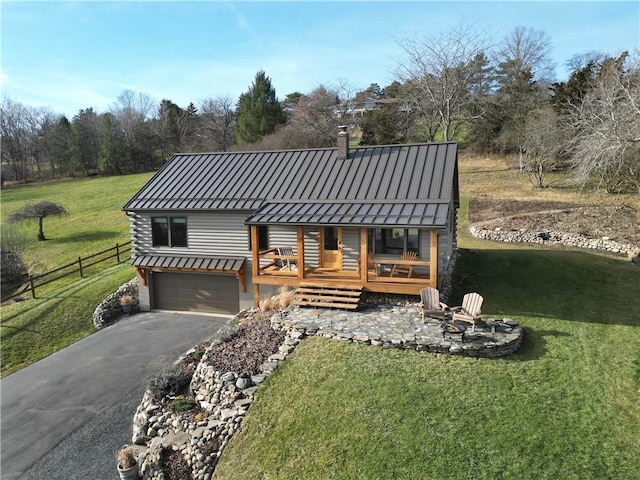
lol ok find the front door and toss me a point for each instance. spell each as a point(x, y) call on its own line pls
point(331, 248)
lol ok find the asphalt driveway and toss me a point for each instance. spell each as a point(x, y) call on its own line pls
point(70, 411)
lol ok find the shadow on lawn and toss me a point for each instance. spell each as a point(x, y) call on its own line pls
point(558, 284)
point(535, 344)
point(89, 236)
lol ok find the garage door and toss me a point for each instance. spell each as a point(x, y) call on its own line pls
point(195, 292)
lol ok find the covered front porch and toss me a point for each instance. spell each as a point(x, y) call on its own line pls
point(335, 257)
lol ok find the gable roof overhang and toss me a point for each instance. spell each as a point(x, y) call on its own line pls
point(413, 214)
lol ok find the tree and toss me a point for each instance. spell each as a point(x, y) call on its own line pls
point(319, 113)
point(542, 144)
point(525, 49)
point(132, 112)
point(217, 121)
point(38, 210)
point(440, 70)
point(15, 138)
point(85, 143)
point(606, 120)
point(259, 111)
point(60, 148)
point(523, 68)
point(112, 151)
point(12, 243)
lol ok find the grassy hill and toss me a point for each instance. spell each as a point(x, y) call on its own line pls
point(96, 221)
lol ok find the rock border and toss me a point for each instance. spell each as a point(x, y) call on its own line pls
point(551, 237)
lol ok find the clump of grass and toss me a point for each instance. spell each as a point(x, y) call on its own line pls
point(126, 299)
point(182, 405)
point(285, 296)
point(268, 304)
point(126, 458)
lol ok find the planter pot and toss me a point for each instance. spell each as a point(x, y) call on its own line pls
point(128, 473)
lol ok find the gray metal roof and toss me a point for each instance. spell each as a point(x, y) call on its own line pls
point(406, 214)
point(410, 175)
point(220, 264)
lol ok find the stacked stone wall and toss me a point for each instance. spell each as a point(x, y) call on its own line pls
point(550, 237)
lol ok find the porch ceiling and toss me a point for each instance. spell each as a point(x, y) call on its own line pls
point(405, 213)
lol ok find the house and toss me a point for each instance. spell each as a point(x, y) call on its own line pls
point(214, 232)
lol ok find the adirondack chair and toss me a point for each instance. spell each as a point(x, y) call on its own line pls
point(430, 304)
point(286, 263)
point(470, 310)
point(409, 255)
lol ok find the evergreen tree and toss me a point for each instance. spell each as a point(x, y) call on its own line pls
point(259, 111)
point(60, 145)
point(84, 141)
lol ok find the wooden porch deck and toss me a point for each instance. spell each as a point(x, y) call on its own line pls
point(381, 282)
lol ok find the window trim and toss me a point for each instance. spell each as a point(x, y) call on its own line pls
point(385, 251)
point(170, 232)
point(263, 234)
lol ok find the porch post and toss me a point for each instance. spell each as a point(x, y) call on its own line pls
point(300, 252)
point(255, 264)
point(255, 261)
point(364, 256)
point(433, 259)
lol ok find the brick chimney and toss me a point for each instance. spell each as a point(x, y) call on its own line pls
point(343, 142)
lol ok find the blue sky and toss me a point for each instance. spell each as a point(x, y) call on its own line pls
point(73, 55)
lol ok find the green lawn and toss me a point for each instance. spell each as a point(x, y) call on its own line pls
point(564, 407)
point(96, 221)
point(33, 329)
point(62, 313)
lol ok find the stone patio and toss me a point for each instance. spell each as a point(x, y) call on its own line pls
point(395, 326)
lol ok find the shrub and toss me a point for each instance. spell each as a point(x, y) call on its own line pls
point(171, 381)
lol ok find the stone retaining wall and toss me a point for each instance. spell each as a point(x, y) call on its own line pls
point(550, 237)
point(110, 307)
point(224, 398)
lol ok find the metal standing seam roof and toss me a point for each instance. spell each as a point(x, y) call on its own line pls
point(407, 214)
point(313, 185)
point(220, 264)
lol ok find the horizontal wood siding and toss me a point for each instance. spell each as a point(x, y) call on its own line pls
point(283, 236)
point(311, 247)
point(208, 234)
point(350, 248)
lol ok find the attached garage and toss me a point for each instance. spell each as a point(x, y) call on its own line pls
point(195, 292)
point(193, 284)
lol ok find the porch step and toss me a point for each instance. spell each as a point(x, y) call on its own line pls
point(347, 298)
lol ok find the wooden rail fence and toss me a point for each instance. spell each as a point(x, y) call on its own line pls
point(80, 265)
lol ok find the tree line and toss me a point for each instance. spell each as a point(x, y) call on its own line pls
point(449, 86)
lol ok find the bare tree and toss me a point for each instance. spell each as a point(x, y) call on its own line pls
point(442, 68)
point(133, 112)
point(607, 121)
point(218, 122)
point(542, 144)
point(527, 49)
